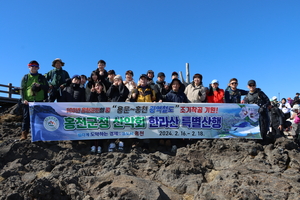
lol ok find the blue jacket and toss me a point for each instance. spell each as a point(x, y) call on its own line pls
point(178, 97)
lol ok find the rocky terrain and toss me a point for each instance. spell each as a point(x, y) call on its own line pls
point(206, 169)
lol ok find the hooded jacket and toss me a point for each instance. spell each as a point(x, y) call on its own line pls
point(178, 97)
point(118, 93)
point(145, 94)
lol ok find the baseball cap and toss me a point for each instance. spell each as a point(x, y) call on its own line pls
point(251, 82)
point(214, 81)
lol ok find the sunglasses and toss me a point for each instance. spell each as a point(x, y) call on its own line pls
point(233, 83)
point(34, 66)
point(251, 85)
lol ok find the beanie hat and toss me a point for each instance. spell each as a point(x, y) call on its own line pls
point(57, 59)
point(161, 74)
point(118, 77)
point(33, 63)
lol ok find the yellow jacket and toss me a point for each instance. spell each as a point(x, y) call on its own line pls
point(145, 94)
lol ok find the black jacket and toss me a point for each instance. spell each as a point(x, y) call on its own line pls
point(73, 93)
point(117, 93)
point(96, 97)
point(257, 97)
point(276, 116)
point(178, 97)
point(160, 90)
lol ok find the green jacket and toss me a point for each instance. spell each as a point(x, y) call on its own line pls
point(26, 88)
point(57, 77)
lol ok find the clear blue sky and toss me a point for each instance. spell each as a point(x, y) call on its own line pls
point(246, 39)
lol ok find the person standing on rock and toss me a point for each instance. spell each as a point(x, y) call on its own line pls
point(34, 89)
point(256, 96)
point(57, 80)
point(276, 121)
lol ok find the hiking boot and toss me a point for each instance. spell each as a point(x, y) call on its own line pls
point(99, 150)
point(174, 149)
point(121, 146)
point(24, 135)
point(111, 147)
point(93, 149)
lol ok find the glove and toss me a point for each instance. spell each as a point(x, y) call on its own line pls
point(199, 93)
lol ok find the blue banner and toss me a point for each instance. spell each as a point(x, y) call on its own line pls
point(109, 120)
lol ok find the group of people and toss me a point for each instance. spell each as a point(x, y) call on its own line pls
point(107, 86)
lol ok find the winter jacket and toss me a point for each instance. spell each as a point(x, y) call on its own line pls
point(258, 97)
point(234, 96)
point(73, 93)
point(160, 90)
point(178, 97)
point(276, 117)
point(57, 77)
point(96, 97)
point(103, 78)
point(88, 88)
point(216, 97)
point(117, 93)
point(145, 94)
point(192, 92)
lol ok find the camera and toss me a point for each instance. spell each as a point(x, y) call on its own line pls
point(35, 88)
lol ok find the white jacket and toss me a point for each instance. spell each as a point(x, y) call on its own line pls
point(192, 93)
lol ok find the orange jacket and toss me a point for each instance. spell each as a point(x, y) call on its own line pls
point(218, 96)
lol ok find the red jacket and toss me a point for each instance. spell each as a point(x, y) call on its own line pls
point(218, 96)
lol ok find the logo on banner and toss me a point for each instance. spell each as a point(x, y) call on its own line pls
point(51, 123)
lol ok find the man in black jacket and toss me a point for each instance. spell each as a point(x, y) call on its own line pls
point(161, 88)
point(256, 96)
